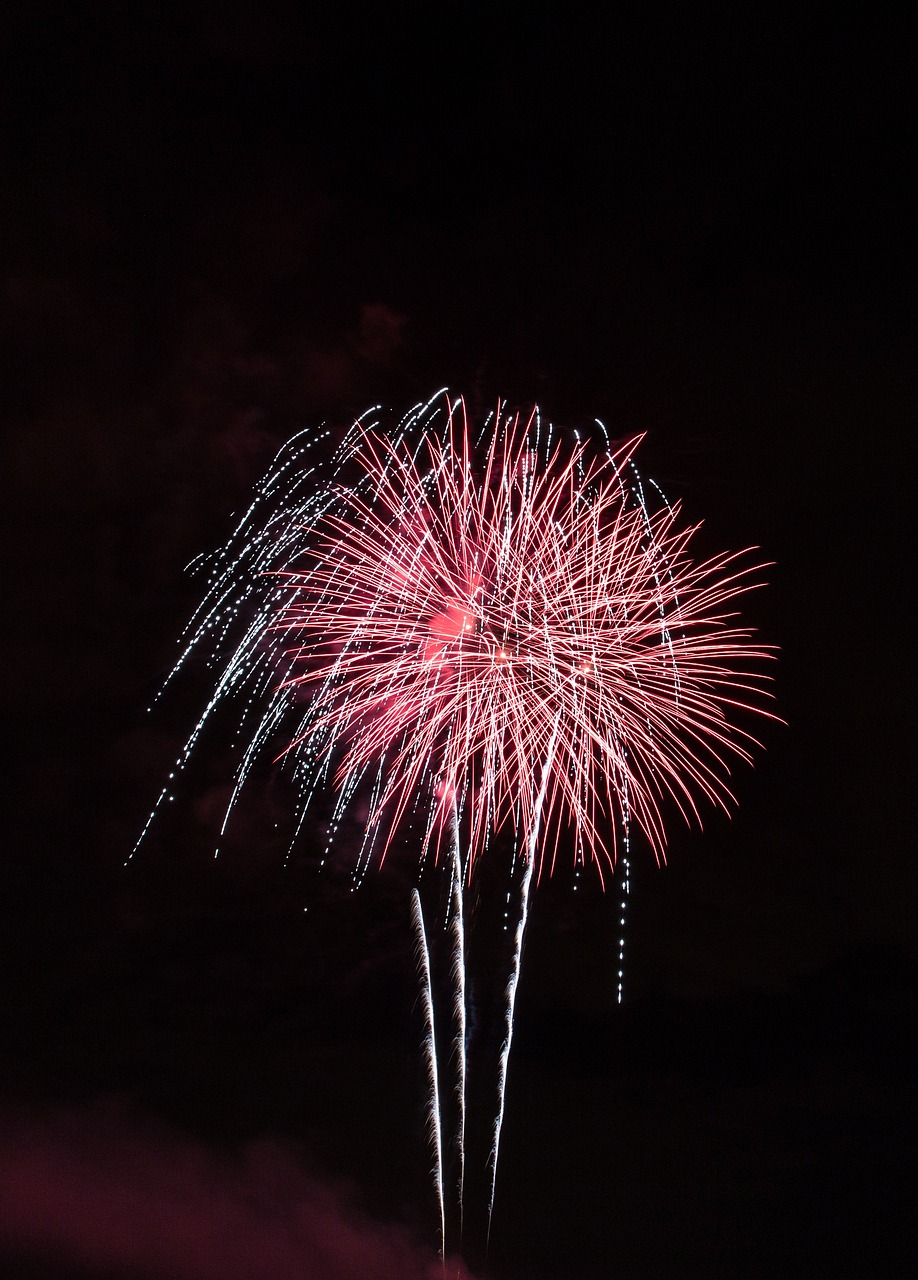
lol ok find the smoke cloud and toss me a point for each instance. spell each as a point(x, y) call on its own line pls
point(92, 1190)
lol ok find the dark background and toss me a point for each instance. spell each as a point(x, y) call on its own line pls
point(224, 222)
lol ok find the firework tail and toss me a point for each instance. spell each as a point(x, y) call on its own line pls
point(459, 998)
point(430, 1052)
point(517, 961)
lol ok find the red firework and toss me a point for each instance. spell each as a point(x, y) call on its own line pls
point(505, 635)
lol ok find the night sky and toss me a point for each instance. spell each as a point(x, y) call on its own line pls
point(225, 222)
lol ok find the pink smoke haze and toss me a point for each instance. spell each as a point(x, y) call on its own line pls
point(91, 1189)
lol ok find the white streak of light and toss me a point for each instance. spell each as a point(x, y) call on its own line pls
point(459, 1006)
point(517, 961)
point(430, 1048)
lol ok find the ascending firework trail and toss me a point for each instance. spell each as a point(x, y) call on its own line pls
point(476, 631)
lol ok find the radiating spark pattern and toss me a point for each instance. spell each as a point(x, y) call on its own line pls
point(459, 602)
point(474, 631)
point(420, 613)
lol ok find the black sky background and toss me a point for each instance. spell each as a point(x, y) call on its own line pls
point(222, 223)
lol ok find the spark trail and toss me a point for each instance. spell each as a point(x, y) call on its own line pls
point(459, 1011)
point(435, 1122)
point(515, 973)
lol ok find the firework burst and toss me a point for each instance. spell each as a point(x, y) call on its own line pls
point(464, 609)
point(477, 631)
